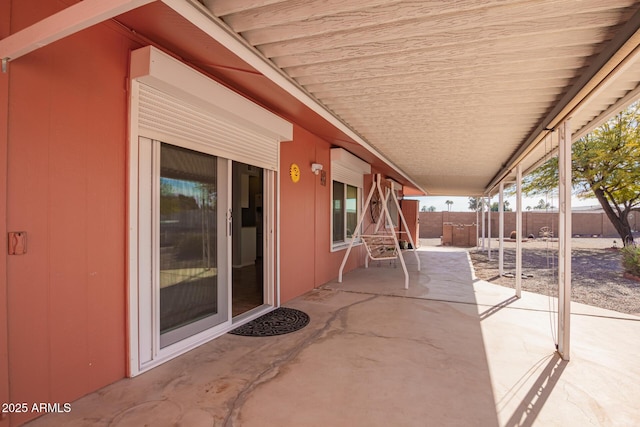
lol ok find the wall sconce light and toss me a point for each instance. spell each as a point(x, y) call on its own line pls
point(316, 168)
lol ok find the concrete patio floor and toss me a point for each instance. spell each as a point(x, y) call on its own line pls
point(450, 351)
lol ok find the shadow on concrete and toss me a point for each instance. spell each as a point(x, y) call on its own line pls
point(438, 314)
point(373, 354)
point(494, 309)
point(531, 405)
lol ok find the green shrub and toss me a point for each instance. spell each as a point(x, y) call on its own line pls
point(631, 259)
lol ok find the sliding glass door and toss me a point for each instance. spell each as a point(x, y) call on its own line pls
point(205, 253)
point(192, 299)
point(184, 240)
point(248, 238)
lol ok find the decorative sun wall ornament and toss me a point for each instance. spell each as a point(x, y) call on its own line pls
point(294, 172)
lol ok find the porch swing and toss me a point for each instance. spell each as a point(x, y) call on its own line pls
point(383, 243)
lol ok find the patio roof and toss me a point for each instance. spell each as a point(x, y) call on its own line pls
point(445, 97)
point(452, 93)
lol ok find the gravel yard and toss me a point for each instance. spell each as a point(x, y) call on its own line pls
point(597, 275)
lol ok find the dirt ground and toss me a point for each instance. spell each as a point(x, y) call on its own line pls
point(597, 274)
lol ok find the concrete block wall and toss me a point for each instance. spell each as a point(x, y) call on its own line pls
point(583, 223)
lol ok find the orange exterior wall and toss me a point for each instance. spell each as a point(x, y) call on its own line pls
point(63, 129)
point(306, 260)
point(67, 190)
point(4, 108)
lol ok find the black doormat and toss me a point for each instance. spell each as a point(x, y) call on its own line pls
point(277, 322)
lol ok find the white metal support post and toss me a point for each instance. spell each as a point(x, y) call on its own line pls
point(383, 200)
point(489, 229)
point(406, 227)
point(519, 231)
point(501, 230)
point(482, 227)
point(477, 223)
point(564, 234)
point(389, 225)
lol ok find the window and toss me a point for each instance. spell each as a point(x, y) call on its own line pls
point(346, 211)
point(347, 175)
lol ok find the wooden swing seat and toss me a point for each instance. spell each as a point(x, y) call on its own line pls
point(380, 246)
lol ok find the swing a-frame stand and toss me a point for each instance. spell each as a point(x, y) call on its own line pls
point(383, 243)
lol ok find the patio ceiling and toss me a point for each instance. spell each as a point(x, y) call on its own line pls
point(453, 94)
point(443, 96)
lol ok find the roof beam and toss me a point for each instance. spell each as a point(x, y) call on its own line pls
point(624, 45)
point(439, 61)
point(400, 19)
point(68, 21)
point(438, 33)
point(225, 7)
point(476, 41)
point(449, 79)
point(457, 69)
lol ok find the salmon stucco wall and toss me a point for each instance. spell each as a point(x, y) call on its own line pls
point(4, 108)
point(297, 216)
point(66, 190)
point(306, 259)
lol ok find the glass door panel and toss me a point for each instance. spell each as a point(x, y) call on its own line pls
point(248, 238)
point(192, 299)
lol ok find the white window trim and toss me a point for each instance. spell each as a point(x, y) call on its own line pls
point(337, 246)
point(349, 170)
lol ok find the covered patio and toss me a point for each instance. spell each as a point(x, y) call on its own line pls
point(444, 98)
point(450, 350)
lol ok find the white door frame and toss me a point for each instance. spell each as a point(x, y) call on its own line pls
point(150, 352)
point(146, 351)
point(173, 103)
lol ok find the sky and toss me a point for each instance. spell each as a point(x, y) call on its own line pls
point(461, 204)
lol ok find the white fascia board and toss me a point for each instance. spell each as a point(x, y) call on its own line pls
point(155, 68)
point(202, 18)
point(68, 21)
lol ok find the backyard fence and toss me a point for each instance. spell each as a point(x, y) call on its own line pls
point(585, 224)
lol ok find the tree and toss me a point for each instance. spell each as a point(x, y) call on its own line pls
point(542, 205)
point(431, 208)
point(605, 165)
point(505, 206)
point(475, 203)
point(449, 203)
